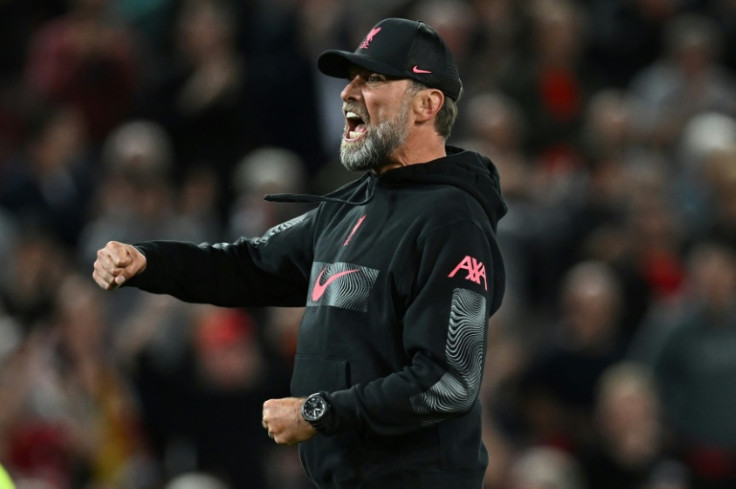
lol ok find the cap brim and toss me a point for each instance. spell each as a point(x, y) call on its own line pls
point(338, 63)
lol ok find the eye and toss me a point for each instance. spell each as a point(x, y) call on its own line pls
point(375, 78)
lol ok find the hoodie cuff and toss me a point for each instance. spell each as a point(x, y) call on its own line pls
point(344, 416)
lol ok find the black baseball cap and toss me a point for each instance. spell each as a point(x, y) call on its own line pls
point(400, 48)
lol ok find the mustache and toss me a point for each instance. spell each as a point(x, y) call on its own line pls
point(358, 109)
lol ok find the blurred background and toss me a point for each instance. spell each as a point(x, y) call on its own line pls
point(612, 363)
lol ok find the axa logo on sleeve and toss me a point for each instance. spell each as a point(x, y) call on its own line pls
point(342, 285)
point(476, 270)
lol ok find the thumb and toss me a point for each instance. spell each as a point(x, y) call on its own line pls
point(131, 270)
point(130, 262)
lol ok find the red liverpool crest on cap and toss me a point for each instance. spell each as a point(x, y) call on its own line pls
point(369, 38)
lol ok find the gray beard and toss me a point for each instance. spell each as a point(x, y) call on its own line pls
point(374, 149)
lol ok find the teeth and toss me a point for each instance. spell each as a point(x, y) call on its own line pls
point(354, 134)
point(352, 115)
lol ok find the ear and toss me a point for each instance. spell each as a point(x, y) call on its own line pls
point(427, 103)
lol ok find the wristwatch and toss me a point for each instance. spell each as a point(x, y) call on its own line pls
point(317, 411)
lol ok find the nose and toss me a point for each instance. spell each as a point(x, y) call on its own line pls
point(351, 90)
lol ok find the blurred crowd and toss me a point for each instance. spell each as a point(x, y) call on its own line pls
point(612, 363)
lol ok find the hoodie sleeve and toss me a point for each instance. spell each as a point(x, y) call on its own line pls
point(444, 337)
point(268, 271)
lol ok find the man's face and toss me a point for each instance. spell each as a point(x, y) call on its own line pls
point(377, 111)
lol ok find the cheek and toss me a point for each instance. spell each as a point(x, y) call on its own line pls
point(373, 110)
point(385, 106)
point(380, 114)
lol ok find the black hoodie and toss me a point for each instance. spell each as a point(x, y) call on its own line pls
point(399, 274)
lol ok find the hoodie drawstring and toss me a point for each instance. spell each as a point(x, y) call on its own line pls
point(308, 198)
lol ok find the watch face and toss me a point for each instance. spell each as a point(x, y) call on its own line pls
point(314, 408)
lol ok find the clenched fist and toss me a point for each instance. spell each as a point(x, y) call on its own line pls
point(283, 420)
point(116, 263)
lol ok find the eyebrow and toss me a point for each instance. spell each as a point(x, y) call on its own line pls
point(355, 70)
point(352, 72)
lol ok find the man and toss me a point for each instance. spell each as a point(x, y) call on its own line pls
point(399, 271)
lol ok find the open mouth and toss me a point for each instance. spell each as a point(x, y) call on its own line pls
point(355, 126)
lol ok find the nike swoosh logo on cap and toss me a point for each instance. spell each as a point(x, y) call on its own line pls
point(416, 69)
point(319, 289)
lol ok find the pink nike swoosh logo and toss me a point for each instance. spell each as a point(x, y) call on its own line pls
point(320, 289)
point(420, 71)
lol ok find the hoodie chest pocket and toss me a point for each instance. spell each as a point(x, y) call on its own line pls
point(313, 374)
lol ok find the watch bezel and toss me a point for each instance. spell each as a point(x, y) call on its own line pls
point(316, 411)
point(314, 408)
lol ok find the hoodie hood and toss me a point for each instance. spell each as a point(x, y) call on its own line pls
point(467, 170)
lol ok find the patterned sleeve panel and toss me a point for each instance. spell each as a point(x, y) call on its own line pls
point(458, 388)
